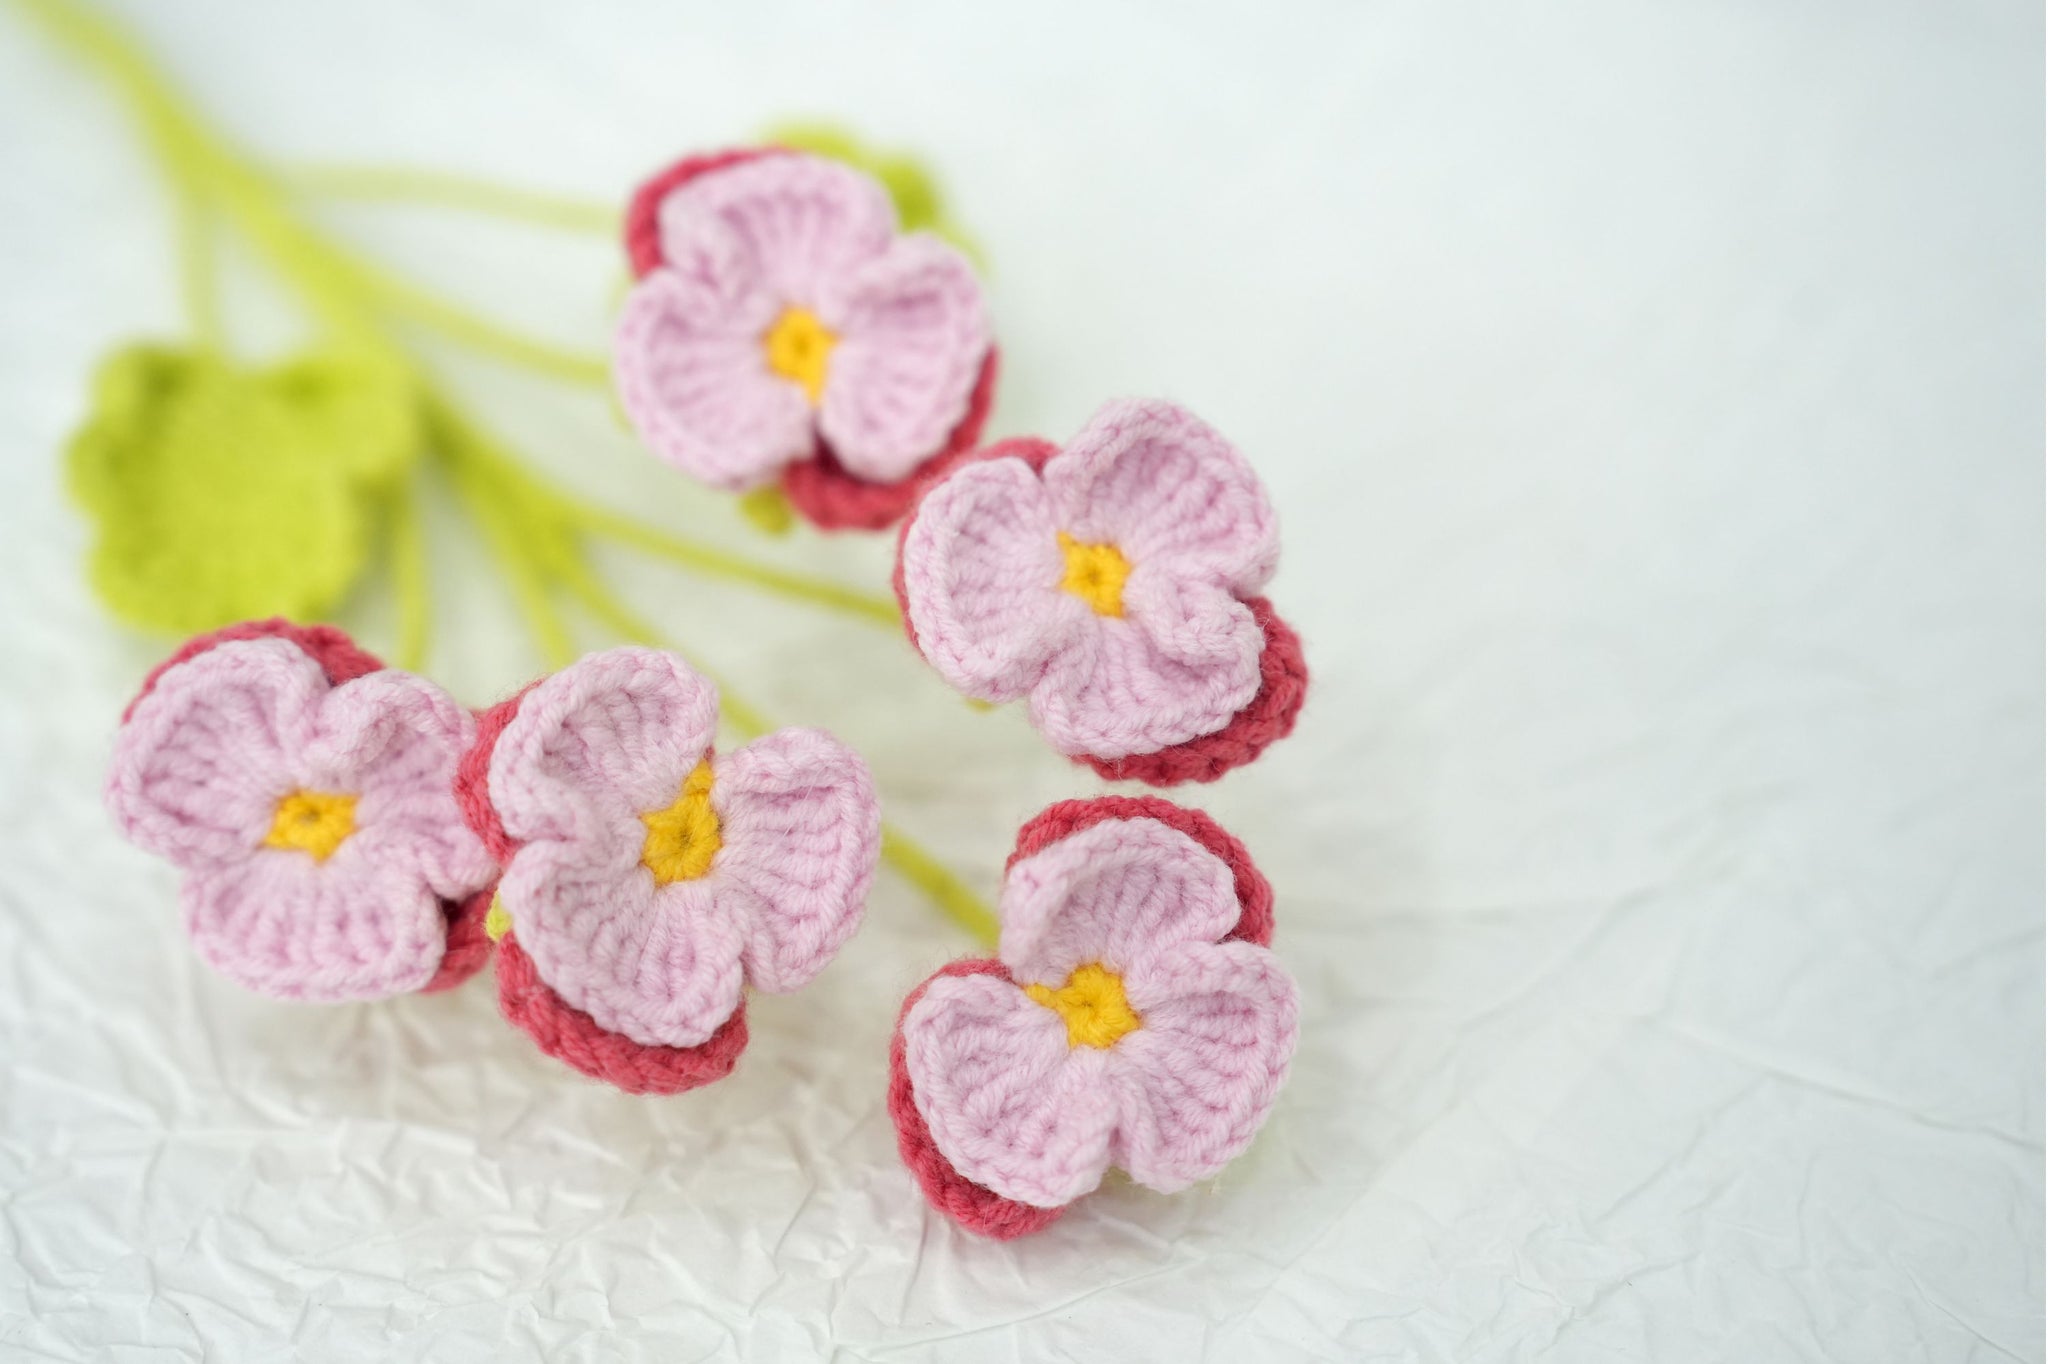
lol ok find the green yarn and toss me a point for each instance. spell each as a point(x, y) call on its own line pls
point(769, 510)
point(223, 493)
point(919, 204)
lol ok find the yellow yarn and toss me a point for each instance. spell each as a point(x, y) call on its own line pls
point(223, 494)
point(799, 347)
point(682, 839)
point(1092, 1004)
point(497, 920)
point(312, 822)
point(1095, 574)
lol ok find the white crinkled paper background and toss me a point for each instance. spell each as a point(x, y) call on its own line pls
point(1652, 398)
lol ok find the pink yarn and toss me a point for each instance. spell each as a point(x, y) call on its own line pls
point(643, 212)
point(574, 1037)
point(1270, 717)
point(340, 657)
point(1253, 891)
point(974, 1207)
point(249, 717)
point(826, 495)
point(723, 246)
point(1193, 663)
point(1009, 1112)
point(567, 773)
point(469, 944)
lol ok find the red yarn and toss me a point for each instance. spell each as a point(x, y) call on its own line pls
point(329, 646)
point(469, 947)
point(472, 779)
point(572, 1036)
point(1066, 817)
point(1283, 684)
point(1030, 449)
point(981, 1210)
point(827, 496)
point(643, 214)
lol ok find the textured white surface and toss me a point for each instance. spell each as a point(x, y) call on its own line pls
point(1652, 398)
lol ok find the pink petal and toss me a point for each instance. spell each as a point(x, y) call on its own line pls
point(912, 338)
point(981, 567)
point(1163, 485)
point(657, 964)
point(352, 927)
point(393, 740)
point(204, 758)
point(1008, 1103)
point(1115, 691)
point(800, 832)
point(1197, 1079)
point(792, 225)
point(1116, 892)
point(694, 381)
point(608, 737)
point(1192, 622)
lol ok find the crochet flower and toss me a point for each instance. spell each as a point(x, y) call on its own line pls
point(1112, 583)
point(645, 879)
point(1133, 1017)
point(303, 789)
point(781, 327)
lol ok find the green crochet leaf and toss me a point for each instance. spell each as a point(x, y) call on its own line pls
point(222, 493)
point(919, 204)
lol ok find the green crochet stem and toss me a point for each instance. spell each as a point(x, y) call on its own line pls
point(390, 184)
point(537, 533)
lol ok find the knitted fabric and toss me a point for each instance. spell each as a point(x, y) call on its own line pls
point(469, 946)
point(220, 492)
point(1270, 717)
point(729, 249)
point(1007, 1098)
point(339, 657)
point(312, 817)
point(974, 1207)
point(1253, 891)
point(1111, 583)
point(574, 1037)
point(826, 495)
point(577, 778)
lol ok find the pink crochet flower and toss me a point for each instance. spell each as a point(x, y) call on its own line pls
point(303, 788)
point(782, 327)
point(646, 880)
point(1133, 1017)
point(1112, 583)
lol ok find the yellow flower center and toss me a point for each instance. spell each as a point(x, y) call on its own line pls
point(1095, 574)
point(798, 346)
point(312, 822)
point(682, 839)
point(1092, 1004)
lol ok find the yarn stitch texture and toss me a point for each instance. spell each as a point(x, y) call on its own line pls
point(617, 961)
point(781, 327)
point(220, 492)
point(212, 766)
point(1007, 1111)
point(1113, 584)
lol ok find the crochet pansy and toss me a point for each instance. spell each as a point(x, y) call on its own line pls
point(1112, 583)
point(1133, 1017)
point(645, 879)
point(304, 790)
point(781, 327)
